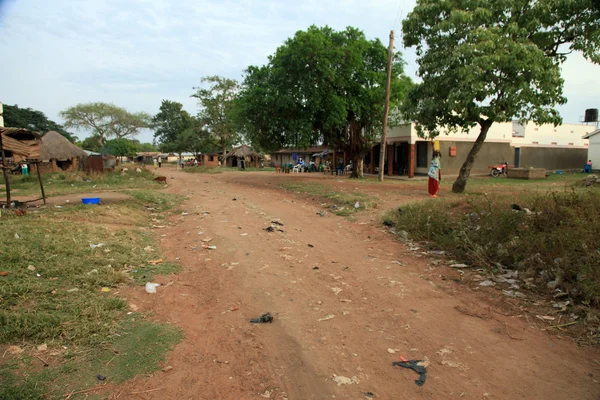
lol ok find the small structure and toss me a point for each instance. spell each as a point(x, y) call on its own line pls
point(147, 157)
point(242, 157)
point(98, 162)
point(21, 145)
point(58, 154)
point(594, 148)
point(527, 173)
point(210, 159)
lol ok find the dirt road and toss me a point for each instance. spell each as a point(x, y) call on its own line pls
point(345, 295)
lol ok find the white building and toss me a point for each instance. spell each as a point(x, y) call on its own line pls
point(594, 148)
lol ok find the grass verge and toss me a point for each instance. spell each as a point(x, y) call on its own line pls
point(341, 203)
point(552, 242)
point(61, 292)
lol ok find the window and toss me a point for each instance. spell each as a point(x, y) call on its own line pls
point(534, 142)
point(553, 143)
point(570, 144)
point(211, 158)
point(422, 154)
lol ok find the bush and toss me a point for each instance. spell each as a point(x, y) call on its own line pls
point(552, 238)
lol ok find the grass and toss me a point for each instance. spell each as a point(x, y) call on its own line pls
point(344, 202)
point(65, 306)
point(61, 183)
point(555, 241)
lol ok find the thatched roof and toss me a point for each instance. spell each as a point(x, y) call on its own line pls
point(242, 152)
point(56, 146)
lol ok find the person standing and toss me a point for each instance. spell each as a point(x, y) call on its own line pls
point(435, 174)
point(159, 161)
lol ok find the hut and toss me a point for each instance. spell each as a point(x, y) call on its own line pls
point(58, 154)
point(242, 157)
point(98, 162)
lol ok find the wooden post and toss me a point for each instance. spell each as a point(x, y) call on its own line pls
point(372, 166)
point(411, 160)
point(37, 167)
point(5, 173)
point(386, 109)
point(390, 159)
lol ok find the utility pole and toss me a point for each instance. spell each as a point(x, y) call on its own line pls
point(386, 111)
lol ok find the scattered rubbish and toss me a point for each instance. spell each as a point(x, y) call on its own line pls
point(42, 347)
point(315, 267)
point(263, 319)
point(455, 364)
point(310, 245)
point(105, 289)
point(369, 394)
point(336, 290)
point(100, 377)
point(345, 300)
point(38, 275)
point(73, 290)
point(487, 283)
point(413, 248)
point(17, 236)
point(414, 365)
point(139, 171)
point(326, 318)
point(270, 229)
point(207, 240)
point(58, 206)
point(342, 380)
point(213, 247)
point(562, 305)
point(4, 273)
point(438, 252)
point(391, 351)
point(234, 199)
point(321, 213)
point(545, 317)
point(388, 222)
point(516, 207)
point(168, 367)
point(155, 262)
point(243, 234)
point(148, 248)
point(275, 222)
point(151, 287)
point(93, 246)
point(31, 268)
point(14, 350)
point(184, 214)
point(356, 205)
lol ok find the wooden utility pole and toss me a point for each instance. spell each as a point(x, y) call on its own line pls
point(5, 173)
point(386, 111)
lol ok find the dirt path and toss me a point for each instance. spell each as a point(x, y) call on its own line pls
point(381, 296)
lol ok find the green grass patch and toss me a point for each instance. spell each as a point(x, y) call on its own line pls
point(343, 202)
point(53, 293)
point(203, 170)
point(555, 240)
point(61, 183)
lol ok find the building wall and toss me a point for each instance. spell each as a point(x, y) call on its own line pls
point(553, 158)
point(549, 135)
point(490, 154)
point(210, 161)
point(594, 151)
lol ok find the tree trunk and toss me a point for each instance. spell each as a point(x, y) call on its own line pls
point(224, 163)
point(465, 170)
point(357, 166)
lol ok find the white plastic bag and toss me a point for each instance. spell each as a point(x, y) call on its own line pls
point(151, 287)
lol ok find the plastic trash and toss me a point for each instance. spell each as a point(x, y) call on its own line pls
point(151, 287)
point(357, 205)
point(93, 246)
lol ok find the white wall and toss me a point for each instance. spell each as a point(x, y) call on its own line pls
point(594, 151)
point(569, 135)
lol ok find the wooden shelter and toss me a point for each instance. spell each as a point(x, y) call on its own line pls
point(242, 157)
point(21, 145)
point(58, 154)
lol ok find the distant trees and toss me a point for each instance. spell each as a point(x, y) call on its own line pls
point(482, 62)
point(217, 108)
point(322, 86)
point(34, 120)
point(105, 120)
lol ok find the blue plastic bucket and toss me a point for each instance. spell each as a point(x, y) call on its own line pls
point(91, 200)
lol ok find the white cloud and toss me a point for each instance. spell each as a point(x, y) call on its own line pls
point(135, 53)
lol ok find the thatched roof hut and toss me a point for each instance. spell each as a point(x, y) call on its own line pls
point(58, 154)
point(56, 146)
point(243, 156)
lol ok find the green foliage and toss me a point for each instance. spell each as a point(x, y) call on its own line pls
point(321, 86)
point(177, 131)
point(105, 120)
point(120, 147)
point(33, 120)
point(92, 143)
point(554, 240)
point(483, 62)
point(217, 110)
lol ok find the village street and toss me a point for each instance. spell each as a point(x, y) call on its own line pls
point(347, 299)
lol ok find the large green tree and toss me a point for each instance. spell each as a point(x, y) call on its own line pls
point(217, 107)
point(34, 120)
point(120, 147)
point(322, 86)
point(105, 121)
point(485, 61)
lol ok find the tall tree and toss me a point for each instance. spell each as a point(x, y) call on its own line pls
point(216, 113)
point(91, 143)
point(105, 120)
point(34, 120)
point(169, 126)
point(323, 86)
point(484, 61)
point(120, 147)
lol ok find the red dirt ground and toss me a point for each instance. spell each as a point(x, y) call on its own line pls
point(390, 298)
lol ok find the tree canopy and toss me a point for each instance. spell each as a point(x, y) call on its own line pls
point(322, 86)
point(177, 131)
point(34, 120)
point(120, 147)
point(493, 61)
point(217, 108)
point(105, 120)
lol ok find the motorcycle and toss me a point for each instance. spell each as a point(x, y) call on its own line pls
point(498, 169)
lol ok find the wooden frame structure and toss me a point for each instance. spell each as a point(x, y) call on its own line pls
point(21, 144)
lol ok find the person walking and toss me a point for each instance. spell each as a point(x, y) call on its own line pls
point(435, 174)
point(159, 161)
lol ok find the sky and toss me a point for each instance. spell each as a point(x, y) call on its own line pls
point(135, 53)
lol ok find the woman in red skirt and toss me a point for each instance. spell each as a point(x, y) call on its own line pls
point(435, 174)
